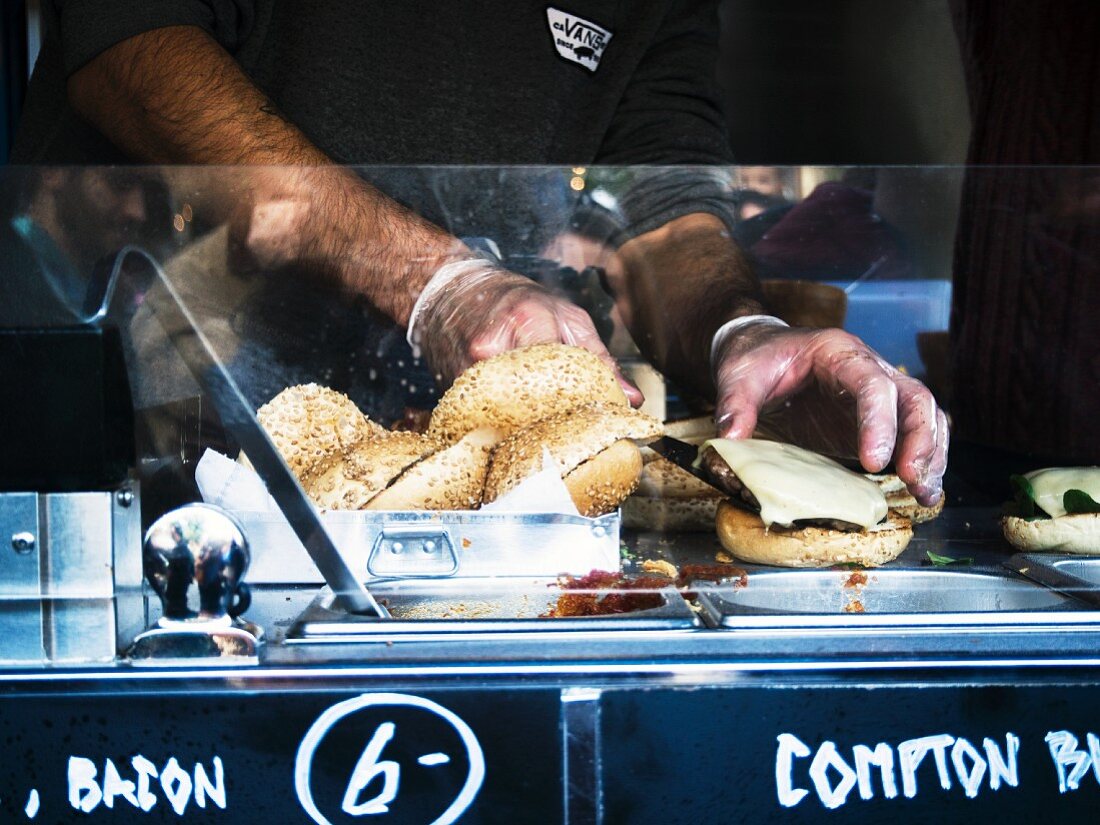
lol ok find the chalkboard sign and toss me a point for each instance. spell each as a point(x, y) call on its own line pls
point(283, 757)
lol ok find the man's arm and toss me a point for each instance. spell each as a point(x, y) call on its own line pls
point(822, 388)
point(173, 95)
point(681, 282)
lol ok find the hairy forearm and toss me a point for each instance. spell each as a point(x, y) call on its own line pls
point(173, 95)
point(681, 282)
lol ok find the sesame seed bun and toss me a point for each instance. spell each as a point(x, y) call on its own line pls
point(348, 481)
point(601, 483)
point(1078, 533)
point(744, 535)
point(309, 423)
point(450, 479)
point(572, 439)
point(517, 388)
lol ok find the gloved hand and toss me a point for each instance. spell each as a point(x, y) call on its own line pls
point(826, 390)
point(472, 309)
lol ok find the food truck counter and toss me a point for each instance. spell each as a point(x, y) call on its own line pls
point(203, 619)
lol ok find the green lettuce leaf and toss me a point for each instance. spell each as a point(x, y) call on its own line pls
point(1024, 505)
point(1078, 501)
point(943, 561)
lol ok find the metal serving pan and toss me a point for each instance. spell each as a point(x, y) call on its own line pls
point(882, 596)
point(470, 605)
point(1076, 575)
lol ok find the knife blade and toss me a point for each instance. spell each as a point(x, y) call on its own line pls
point(682, 454)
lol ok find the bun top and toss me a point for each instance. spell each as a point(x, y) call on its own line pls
point(570, 437)
point(449, 479)
point(517, 388)
point(308, 423)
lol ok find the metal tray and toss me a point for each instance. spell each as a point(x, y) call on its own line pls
point(882, 597)
point(379, 545)
point(1076, 575)
point(475, 605)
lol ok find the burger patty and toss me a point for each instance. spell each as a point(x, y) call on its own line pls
point(726, 480)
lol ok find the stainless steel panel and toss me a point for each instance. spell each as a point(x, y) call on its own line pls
point(21, 543)
point(21, 639)
point(79, 630)
point(61, 599)
point(78, 558)
point(126, 536)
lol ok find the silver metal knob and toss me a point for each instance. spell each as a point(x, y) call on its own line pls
point(195, 558)
point(23, 543)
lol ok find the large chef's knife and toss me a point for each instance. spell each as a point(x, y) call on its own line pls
point(237, 417)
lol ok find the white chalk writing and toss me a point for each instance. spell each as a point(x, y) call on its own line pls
point(834, 776)
point(87, 792)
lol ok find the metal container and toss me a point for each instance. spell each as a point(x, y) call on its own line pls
point(70, 575)
point(882, 596)
point(1078, 576)
point(476, 605)
point(380, 545)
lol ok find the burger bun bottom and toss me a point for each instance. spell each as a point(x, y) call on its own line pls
point(1078, 533)
point(744, 536)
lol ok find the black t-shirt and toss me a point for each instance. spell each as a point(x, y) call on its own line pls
point(616, 82)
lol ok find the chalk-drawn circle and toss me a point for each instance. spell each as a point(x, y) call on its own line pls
point(303, 762)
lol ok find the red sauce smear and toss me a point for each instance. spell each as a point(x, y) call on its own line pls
point(602, 593)
point(857, 579)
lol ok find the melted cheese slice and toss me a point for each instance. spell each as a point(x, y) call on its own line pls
point(1051, 484)
point(792, 483)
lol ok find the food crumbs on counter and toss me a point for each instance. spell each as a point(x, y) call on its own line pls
point(723, 557)
point(857, 579)
point(661, 566)
point(854, 607)
point(624, 552)
point(445, 610)
point(466, 543)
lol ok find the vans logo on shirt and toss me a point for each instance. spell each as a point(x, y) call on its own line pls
point(576, 39)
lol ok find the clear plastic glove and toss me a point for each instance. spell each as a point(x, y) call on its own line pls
point(828, 391)
point(471, 310)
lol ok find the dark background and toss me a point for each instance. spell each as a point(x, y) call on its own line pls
point(807, 81)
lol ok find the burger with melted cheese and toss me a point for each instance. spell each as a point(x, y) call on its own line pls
point(794, 508)
point(1057, 508)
